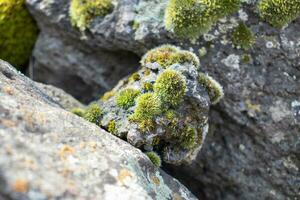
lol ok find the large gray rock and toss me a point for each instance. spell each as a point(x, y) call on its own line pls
point(253, 149)
point(49, 153)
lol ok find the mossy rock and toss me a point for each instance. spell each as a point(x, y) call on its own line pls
point(18, 32)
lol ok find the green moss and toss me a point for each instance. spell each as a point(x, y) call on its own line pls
point(243, 37)
point(170, 87)
point(167, 55)
point(135, 25)
point(154, 157)
point(148, 87)
point(126, 97)
point(135, 77)
point(192, 18)
point(112, 128)
point(279, 12)
point(93, 113)
point(148, 106)
point(18, 32)
point(246, 59)
point(214, 89)
point(188, 138)
point(107, 95)
point(78, 111)
point(82, 12)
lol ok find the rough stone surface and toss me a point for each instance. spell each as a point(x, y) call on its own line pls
point(252, 151)
point(49, 153)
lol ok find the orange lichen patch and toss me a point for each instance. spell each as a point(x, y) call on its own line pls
point(29, 164)
point(124, 176)
point(65, 151)
point(155, 180)
point(8, 123)
point(20, 185)
point(8, 90)
point(93, 146)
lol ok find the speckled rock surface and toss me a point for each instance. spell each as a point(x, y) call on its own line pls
point(49, 153)
point(252, 151)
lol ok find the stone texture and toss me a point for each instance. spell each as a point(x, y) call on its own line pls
point(252, 151)
point(49, 153)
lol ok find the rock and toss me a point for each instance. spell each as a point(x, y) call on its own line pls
point(252, 150)
point(164, 106)
point(49, 153)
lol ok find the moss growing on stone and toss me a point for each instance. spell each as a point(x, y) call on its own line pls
point(192, 18)
point(170, 87)
point(135, 77)
point(93, 113)
point(148, 87)
point(78, 111)
point(243, 37)
point(126, 97)
point(107, 95)
point(112, 128)
point(188, 138)
point(82, 12)
point(167, 55)
point(154, 157)
point(18, 32)
point(148, 106)
point(279, 12)
point(214, 89)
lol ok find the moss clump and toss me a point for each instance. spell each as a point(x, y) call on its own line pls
point(112, 128)
point(279, 12)
point(170, 87)
point(82, 12)
point(192, 18)
point(18, 32)
point(107, 95)
point(154, 157)
point(126, 97)
point(167, 55)
point(93, 113)
point(148, 106)
point(148, 87)
point(78, 111)
point(135, 77)
point(243, 37)
point(214, 89)
point(188, 138)
point(246, 59)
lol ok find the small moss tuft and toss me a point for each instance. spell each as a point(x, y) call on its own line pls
point(93, 113)
point(188, 138)
point(78, 111)
point(191, 18)
point(148, 106)
point(167, 55)
point(82, 12)
point(126, 97)
point(18, 32)
point(215, 90)
point(135, 77)
point(154, 157)
point(243, 37)
point(148, 87)
point(112, 128)
point(279, 12)
point(107, 95)
point(170, 87)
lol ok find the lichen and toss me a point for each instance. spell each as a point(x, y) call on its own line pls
point(167, 55)
point(18, 32)
point(279, 12)
point(93, 113)
point(82, 12)
point(192, 18)
point(154, 157)
point(126, 97)
point(170, 87)
point(214, 89)
point(243, 37)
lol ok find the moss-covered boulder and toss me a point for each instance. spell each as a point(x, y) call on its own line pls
point(165, 110)
point(18, 32)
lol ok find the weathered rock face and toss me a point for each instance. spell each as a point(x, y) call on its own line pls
point(49, 153)
point(253, 149)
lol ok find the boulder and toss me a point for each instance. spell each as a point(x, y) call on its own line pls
point(49, 153)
